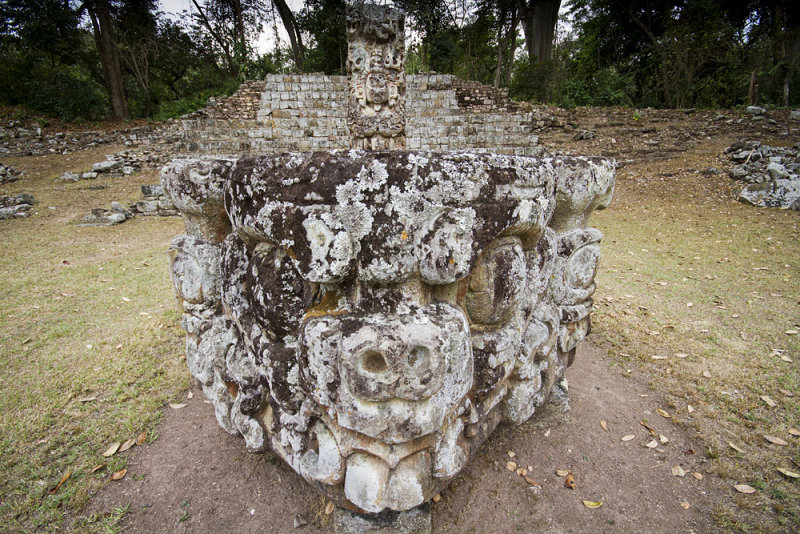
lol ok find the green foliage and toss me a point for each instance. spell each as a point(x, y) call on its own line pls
point(324, 21)
point(195, 100)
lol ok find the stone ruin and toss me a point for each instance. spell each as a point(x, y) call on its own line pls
point(370, 316)
point(771, 174)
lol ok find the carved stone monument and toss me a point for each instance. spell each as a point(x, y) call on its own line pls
point(371, 316)
point(376, 65)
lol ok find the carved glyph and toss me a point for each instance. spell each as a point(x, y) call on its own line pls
point(372, 316)
point(376, 66)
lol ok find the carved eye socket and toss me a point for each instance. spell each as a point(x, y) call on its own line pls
point(496, 281)
point(582, 266)
point(373, 362)
point(418, 357)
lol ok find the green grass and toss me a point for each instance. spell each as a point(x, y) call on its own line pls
point(80, 367)
point(688, 270)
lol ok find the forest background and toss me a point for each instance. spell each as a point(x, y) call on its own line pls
point(120, 59)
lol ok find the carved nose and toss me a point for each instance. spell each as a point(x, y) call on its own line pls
point(395, 361)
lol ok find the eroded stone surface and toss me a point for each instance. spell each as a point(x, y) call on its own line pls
point(372, 316)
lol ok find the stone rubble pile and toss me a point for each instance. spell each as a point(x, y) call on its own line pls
point(122, 163)
point(771, 174)
point(19, 139)
point(16, 206)
point(8, 174)
point(154, 202)
point(106, 217)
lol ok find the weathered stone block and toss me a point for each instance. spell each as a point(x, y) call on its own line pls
point(371, 317)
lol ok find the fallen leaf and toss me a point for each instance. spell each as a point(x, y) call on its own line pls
point(786, 359)
point(786, 392)
point(511, 454)
point(744, 488)
point(685, 505)
point(649, 428)
point(112, 449)
point(119, 346)
point(141, 437)
point(689, 408)
point(190, 395)
point(604, 425)
point(707, 374)
point(176, 406)
point(791, 332)
point(790, 474)
point(60, 482)
point(330, 506)
point(628, 437)
point(127, 445)
point(531, 481)
point(698, 476)
point(126, 299)
point(97, 468)
point(681, 355)
point(87, 399)
point(562, 472)
point(511, 466)
point(794, 432)
point(663, 439)
point(657, 357)
point(651, 444)
point(769, 402)
point(734, 447)
point(663, 413)
point(774, 440)
point(119, 474)
point(436, 498)
point(592, 504)
point(677, 471)
point(569, 482)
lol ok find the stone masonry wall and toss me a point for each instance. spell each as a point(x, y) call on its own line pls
point(302, 112)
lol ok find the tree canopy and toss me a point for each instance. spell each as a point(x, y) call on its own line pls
point(125, 58)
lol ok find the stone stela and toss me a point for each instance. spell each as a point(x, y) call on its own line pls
point(372, 316)
point(376, 67)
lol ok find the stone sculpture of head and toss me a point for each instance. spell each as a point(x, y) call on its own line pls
point(372, 316)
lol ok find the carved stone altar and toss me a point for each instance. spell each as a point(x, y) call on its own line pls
point(371, 316)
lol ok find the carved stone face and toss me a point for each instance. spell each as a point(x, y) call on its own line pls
point(371, 317)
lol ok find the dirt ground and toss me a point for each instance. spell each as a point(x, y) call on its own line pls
point(197, 478)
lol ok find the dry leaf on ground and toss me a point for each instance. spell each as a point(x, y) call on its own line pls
point(628, 437)
point(177, 406)
point(769, 402)
point(698, 476)
point(511, 466)
point(97, 468)
point(604, 425)
point(127, 445)
point(119, 474)
point(141, 437)
point(685, 505)
point(787, 472)
point(734, 447)
point(678, 471)
point(569, 482)
point(112, 449)
point(60, 482)
point(744, 488)
point(651, 444)
point(562, 472)
point(592, 504)
point(775, 441)
point(794, 432)
point(663, 413)
point(330, 506)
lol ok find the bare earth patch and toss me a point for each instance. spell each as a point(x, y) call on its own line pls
point(197, 478)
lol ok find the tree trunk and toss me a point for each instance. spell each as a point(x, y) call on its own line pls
point(751, 91)
point(106, 42)
point(539, 19)
point(290, 23)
